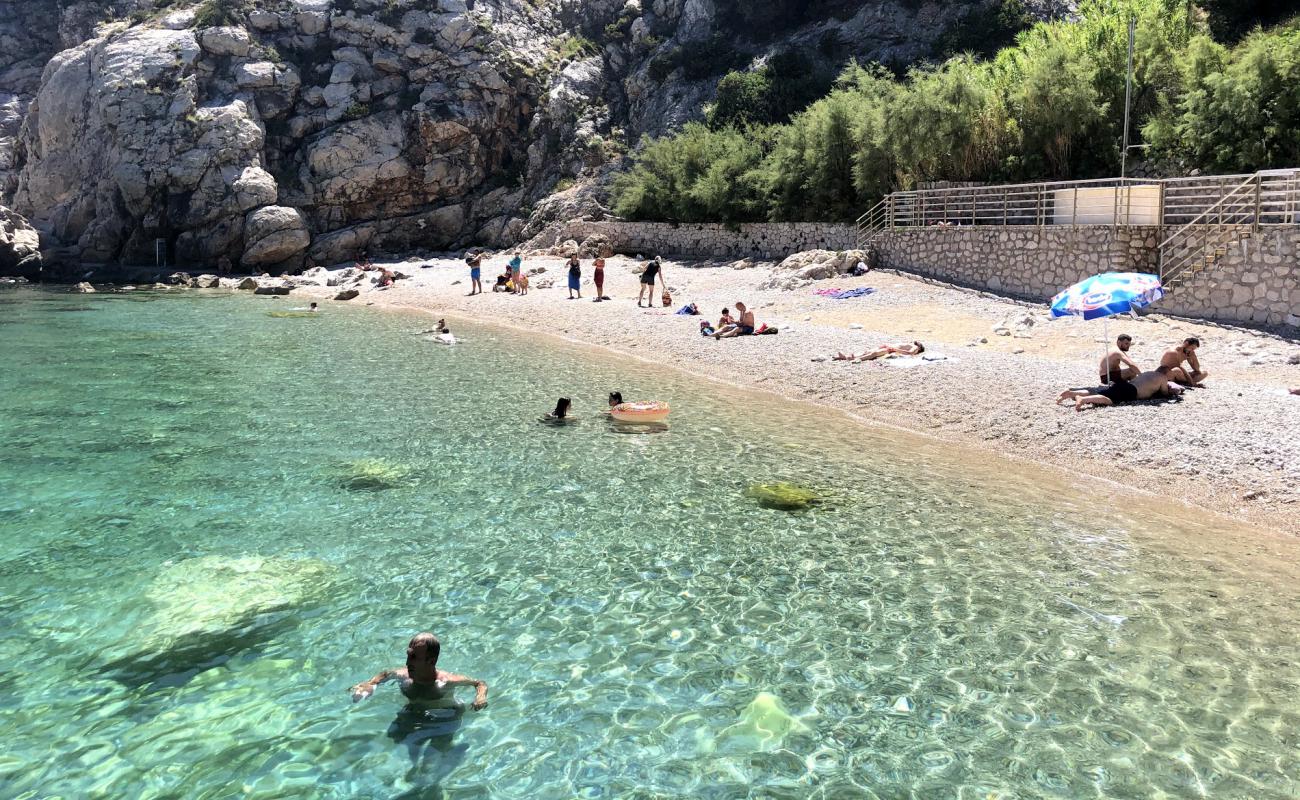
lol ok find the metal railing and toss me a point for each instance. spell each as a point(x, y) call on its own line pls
point(1265, 198)
point(1204, 211)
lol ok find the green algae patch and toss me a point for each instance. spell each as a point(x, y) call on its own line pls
point(764, 725)
point(373, 474)
point(783, 496)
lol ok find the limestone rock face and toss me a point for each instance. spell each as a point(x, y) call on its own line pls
point(387, 125)
point(20, 245)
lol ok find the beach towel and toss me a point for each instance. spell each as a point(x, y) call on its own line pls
point(907, 362)
point(845, 294)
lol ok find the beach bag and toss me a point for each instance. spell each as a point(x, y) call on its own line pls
point(667, 298)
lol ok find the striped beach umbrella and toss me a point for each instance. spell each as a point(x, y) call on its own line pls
point(1107, 294)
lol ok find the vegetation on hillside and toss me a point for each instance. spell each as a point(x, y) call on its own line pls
point(1048, 107)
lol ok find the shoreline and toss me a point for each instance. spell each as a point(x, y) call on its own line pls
point(1253, 481)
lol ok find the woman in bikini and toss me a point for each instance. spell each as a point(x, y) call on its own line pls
point(884, 351)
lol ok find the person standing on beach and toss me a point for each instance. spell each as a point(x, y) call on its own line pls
point(1117, 366)
point(653, 270)
point(575, 277)
point(516, 267)
point(475, 261)
point(598, 276)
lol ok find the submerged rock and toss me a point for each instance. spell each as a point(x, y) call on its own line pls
point(783, 496)
point(370, 474)
point(207, 608)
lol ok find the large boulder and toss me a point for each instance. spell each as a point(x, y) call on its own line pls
point(20, 245)
point(225, 41)
point(208, 607)
point(121, 150)
point(274, 234)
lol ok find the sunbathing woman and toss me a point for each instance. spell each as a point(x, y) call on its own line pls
point(884, 351)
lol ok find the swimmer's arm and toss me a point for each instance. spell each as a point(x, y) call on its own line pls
point(366, 688)
point(480, 688)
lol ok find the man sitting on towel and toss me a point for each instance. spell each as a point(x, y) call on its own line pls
point(1117, 366)
point(744, 324)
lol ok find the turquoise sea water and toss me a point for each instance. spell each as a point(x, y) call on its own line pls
point(194, 569)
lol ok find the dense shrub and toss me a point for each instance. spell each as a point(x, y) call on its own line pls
point(1049, 107)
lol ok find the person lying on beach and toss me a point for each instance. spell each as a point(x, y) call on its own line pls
point(1143, 387)
point(706, 329)
point(884, 351)
point(1174, 359)
point(421, 682)
point(1117, 366)
point(744, 325)
point(561, 412)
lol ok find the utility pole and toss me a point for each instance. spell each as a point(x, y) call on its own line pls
point(1128, 97)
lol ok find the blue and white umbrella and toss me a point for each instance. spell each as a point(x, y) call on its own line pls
point(1107, 294)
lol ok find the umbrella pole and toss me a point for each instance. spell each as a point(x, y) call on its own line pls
point(1105, 342)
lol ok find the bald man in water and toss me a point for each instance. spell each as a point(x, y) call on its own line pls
point(421, 682)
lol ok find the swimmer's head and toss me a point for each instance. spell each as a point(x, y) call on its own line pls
point(615, 398)
point(422, 651)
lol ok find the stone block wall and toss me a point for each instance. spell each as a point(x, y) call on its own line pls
point(773, 241)
point(1256, 282)
point(1031, 263)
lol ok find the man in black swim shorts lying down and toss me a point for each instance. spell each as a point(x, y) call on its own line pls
point(1143, 387)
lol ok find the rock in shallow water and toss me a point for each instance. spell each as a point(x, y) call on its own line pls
point(783, 496)
point(208, 608)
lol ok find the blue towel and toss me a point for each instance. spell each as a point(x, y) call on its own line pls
point(688, 310)
point(849, 293)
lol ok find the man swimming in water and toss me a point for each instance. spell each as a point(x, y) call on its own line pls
point(421, 682)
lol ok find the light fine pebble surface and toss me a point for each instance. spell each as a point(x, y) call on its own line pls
point(1232, 447)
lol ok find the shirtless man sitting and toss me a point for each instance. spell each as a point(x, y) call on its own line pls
point(421, 682)
point(744, 324)
point(1143, 387)
point(1117, 366)
point(1193, 375)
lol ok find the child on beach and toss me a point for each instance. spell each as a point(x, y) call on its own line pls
point(475, 261)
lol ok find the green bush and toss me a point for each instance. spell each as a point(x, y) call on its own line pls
point(1049, 107)
point(213, 13)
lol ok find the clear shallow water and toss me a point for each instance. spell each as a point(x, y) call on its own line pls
point(939, 628)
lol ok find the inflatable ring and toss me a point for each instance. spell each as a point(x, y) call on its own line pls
point(643, 411)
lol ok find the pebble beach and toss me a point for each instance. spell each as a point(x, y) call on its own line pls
point(1231, 448)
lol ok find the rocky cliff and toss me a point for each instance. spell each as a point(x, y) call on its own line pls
point(272, 134)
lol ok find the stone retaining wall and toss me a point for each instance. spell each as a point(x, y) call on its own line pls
point(1257, 282)
point(774, 240)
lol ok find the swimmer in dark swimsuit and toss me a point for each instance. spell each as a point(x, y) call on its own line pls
point(422, 682)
